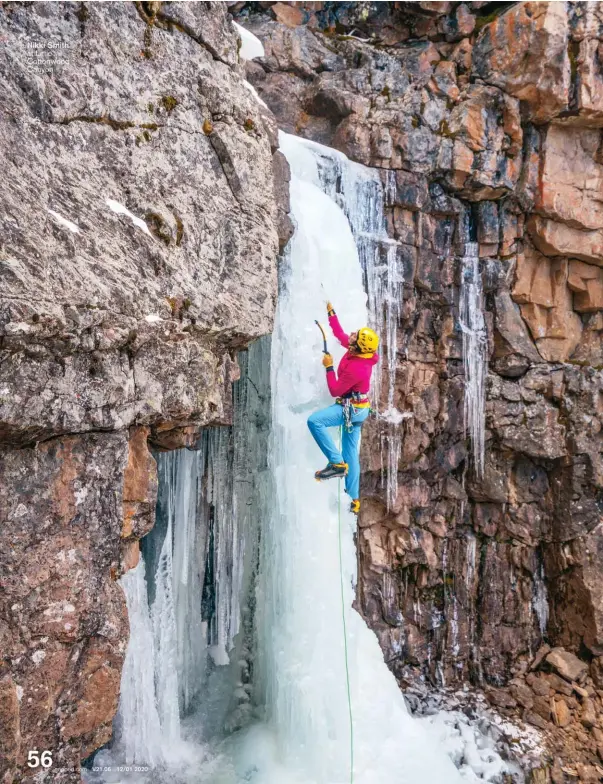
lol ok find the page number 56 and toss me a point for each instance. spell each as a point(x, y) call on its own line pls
point(36, 758)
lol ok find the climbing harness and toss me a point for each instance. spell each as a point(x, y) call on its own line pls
point(345, 633)
point(349, 402)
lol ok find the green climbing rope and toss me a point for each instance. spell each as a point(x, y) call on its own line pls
point(345, 633)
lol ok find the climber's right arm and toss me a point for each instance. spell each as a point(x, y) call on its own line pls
point(336, 327)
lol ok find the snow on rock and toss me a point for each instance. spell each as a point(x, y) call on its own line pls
point(17, 327)
point(73, 227)
point(254, 92)
point(483, 745)
point(115, 206)
point(251, 47)
point(473, 752)
point(394, 416)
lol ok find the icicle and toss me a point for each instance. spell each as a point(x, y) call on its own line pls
point(391, 447)
point(475, 353)
point(471, 556)
point(540, 601)
point(390, 187)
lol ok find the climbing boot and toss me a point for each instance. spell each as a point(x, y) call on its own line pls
point(331, 471)
point(355, 506)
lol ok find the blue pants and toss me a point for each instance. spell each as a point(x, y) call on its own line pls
point(319, 421)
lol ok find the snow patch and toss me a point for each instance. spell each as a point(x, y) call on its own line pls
point(219, 656)
point(394, 417)
point(251, 47)
point(19, 693)
point(152, 318)
point(16, 327)
point(473, 752)
point(80, 495)
point(483, 745)
point(38, 657)
point(254, 92)
point(115, 206)
point(73, 227)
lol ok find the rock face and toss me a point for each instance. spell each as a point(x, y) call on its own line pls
point(139, 241)
point(487, 124)
point(63, 626)
point(525, 53)
point(92, 312)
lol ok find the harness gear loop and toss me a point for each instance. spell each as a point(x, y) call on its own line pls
point(347, 415)
point(349, 402)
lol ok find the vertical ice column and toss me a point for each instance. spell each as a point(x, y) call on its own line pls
point(179, 574)
point(475, 352)
point(138, 732)
point(218, 514)
point(206, 549)
point(165, 643)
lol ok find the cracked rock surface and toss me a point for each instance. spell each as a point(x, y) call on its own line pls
point(138, 244)
point(114, 323)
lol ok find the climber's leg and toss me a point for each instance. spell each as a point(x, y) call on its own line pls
point(318, 422)
point(350, 450)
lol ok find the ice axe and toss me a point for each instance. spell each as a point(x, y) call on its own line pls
point(325, 350)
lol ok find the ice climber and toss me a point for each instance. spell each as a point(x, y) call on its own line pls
point(350, 386)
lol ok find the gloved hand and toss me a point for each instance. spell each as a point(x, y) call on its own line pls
point(327, 361)
point(330, 309)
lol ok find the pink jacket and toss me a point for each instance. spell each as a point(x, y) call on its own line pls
point(354, 372)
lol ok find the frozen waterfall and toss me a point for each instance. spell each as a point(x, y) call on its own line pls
point(300, 608)
point(475, 352)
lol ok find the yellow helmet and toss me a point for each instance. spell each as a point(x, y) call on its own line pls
point(367, 340)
